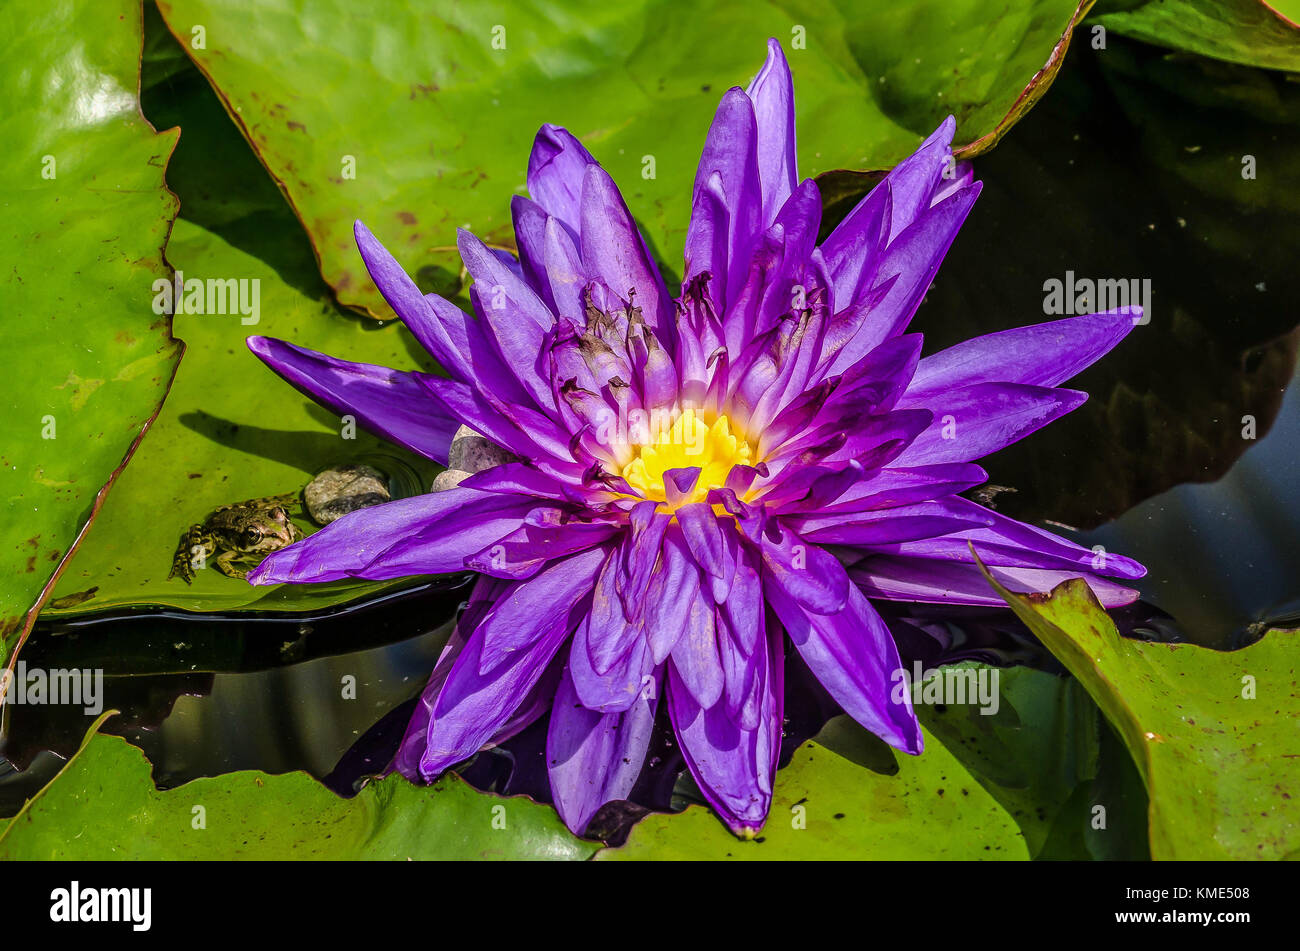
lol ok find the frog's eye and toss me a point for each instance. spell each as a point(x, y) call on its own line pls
point(253, 536)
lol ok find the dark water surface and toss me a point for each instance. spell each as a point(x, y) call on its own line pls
point(1128, 169)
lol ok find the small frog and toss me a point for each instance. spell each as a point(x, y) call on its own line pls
point(240, 536)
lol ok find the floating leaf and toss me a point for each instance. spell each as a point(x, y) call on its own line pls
point(845, 795)
point(1250, 32)
point(231, 430)
point(1213, 734)
point(420, 120)
point(1045, 754)
point(86, 360)
point(103, 805)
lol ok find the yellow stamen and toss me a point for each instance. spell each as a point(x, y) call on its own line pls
point(688, 443)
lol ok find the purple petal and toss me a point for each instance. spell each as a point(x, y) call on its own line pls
point(555, 170)
point(907, 266)
point(1045, 354)
point(618, 688)
point(530, 237)
point(565, 275)
point(614, 252)
point(594, 758)
point(524, 431)
point(546, 534)
point(973, 421)
point(772, 92)
point(805, 572)
point(454, 338)
point(906, 523)
point(853, 655)
point(1005, 542)
point(390, 403)
point(673, 598)
point(887, 488)
point(743, 613)
point(912, 184)
point(727, 205)
point(733, 766)
point(695, 660)
point(611, 630)
point(426, 534)
point(531, 610)
point(640, 554)
point(712, 544)
point(472, 706)
point(514, 316)
point(899, 578)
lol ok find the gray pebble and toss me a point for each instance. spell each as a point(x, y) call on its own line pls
point(469, 453)
point(343, 489)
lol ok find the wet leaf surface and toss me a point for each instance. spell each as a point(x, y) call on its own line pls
point(103, 805)
point(1251, 32)
point(846, 795)
point(420, 121)
point(1213, 734)
point(231, 429)
point(86, 360)
point(1043, 753)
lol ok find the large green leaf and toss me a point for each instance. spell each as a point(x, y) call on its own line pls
point(231, 430)
point(1214, 735)
point(103, 805)
point(1250, 32)
point(1044, 754)
point(845, 795)
point(86, 360)
point(416, 122)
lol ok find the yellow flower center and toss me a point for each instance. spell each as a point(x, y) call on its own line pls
point(689, 443)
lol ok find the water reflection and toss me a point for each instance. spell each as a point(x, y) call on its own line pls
point(1224, 557)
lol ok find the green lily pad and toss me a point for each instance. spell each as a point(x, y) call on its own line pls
point(1213, 734)
point(1046, 755)
point(420, 120)
point(231, 429)
point(103, 805)
point(1250, 32)
point(87, 361)
point(845, 795)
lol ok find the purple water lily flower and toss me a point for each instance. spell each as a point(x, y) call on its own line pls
point(696, 479)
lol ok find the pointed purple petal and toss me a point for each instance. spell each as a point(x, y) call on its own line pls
point(614, 252)
point(594, 758)
point(1045, 354)
point(853, 655)
point(899, 578)
point(426, 534)
point(734, 767)
point(727, 206)
point(555, 169)
point(772, 92)
point(389, 403)
point(976, 420)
